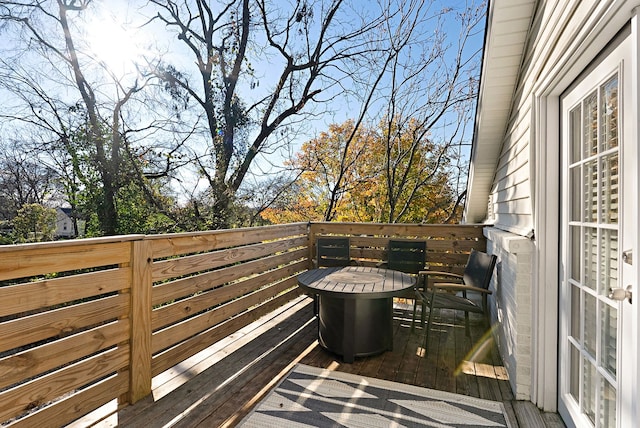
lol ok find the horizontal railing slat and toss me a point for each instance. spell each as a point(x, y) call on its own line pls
point(186, 243)
point(177, 311)
point(419, 231)
point(40, 261)
point(185, 286)
point(51, 292)
point(191, 346)
point(35, 361)
point(63, 321)
point(184, 329)
point(39, 391)
point(77, 404)
point(191, 264)
point(434, 245)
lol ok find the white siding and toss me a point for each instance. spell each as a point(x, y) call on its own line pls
point(552, 29)
point(64, 225)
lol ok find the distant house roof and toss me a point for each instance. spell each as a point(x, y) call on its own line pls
point(508, 23)
point(67, 211)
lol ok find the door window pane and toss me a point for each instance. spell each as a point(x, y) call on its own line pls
point(589, 322)
point(590, 257)
point(590, 124)
point(574, 182)
point(609, 114)
point(590, 192)
point(608, 261)
point(575, 312)
point(576, 260)
point(608, 357)
point(608, 412)
point(575, 134)
point(589, 390)
point(609, 185)
point(574, 373)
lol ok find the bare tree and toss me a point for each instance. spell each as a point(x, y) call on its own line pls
point(447, 72)
point(263, 68)
point(23, 180)
point(424, 87)
point(76, 102)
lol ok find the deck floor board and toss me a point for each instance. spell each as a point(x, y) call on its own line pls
point(247, 367)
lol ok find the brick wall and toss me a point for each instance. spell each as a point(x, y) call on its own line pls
point(512, 306)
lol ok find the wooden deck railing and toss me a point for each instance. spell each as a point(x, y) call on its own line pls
point(88, 321)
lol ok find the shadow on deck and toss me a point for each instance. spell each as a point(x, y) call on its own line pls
point(220, 385)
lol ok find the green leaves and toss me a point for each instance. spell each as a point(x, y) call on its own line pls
point(34, 223)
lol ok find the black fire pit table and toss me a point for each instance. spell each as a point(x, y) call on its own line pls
point(355, 307)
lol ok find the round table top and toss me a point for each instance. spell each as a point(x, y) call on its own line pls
point(356, 281)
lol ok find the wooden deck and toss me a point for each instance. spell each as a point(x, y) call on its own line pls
point(219, 386)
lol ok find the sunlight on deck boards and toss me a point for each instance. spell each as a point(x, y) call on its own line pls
point(178, 375)
point(248, 364)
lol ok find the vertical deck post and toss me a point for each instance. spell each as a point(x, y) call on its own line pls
point(140, 316)
point(311, 243)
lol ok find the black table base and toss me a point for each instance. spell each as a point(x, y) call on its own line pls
point(355, 327)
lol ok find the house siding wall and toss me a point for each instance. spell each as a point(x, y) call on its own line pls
point(554, 27)
point(511, 189)
point(64, 225)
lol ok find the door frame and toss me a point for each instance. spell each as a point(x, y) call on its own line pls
point(545, 186)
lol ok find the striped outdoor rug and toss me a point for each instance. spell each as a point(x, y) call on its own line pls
point(312, 397)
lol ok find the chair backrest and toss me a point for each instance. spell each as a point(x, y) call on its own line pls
point(407, 256)
point(479, 269)
point(332, 251)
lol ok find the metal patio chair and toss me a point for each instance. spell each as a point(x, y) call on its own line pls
point(408, 256)
point(454, 295)
point(333, 251)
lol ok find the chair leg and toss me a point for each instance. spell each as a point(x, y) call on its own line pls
point(428, 332)
point(413, 319)
point(466, 324)
point(316, 311)
point(316, 305)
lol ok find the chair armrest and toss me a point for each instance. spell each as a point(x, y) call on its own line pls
point(424, 277)
point(438, 273)
point(459, 287)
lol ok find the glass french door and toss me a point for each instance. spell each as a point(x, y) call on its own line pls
point(593, 308)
